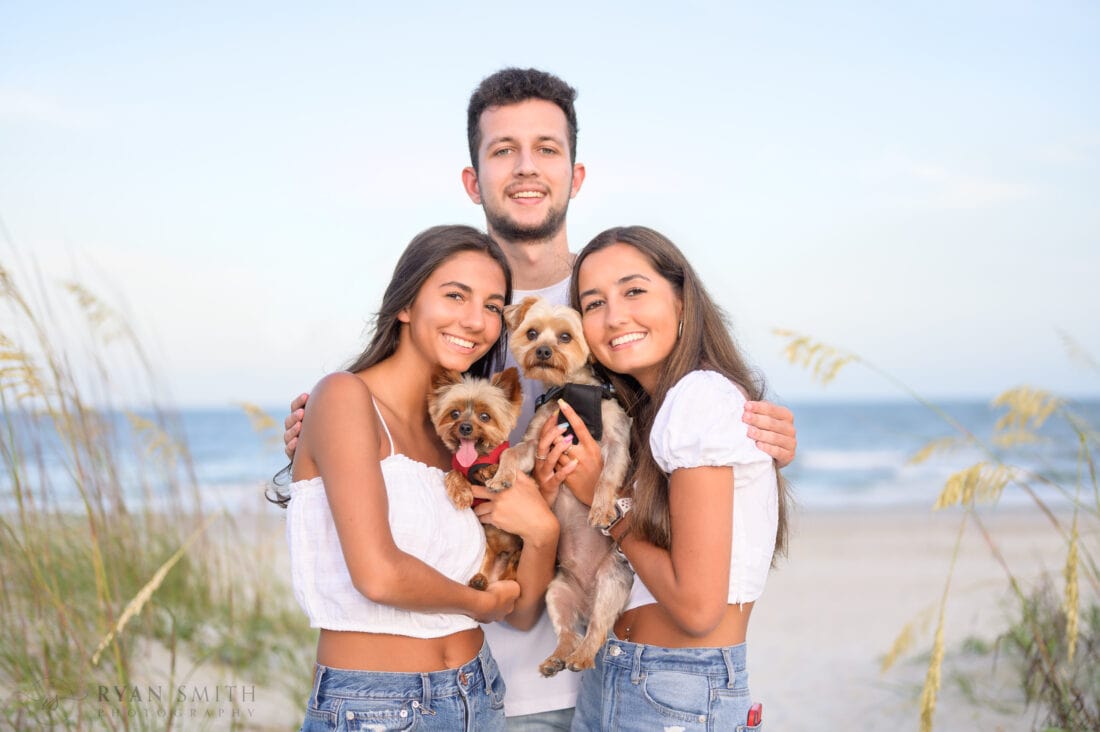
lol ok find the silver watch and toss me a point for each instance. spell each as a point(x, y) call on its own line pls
point(622, 508)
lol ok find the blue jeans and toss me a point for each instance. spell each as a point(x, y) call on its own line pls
point(469, 698)
point(637, 687)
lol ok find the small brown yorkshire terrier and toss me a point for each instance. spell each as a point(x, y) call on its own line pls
point(593, 581)
point(473, 417)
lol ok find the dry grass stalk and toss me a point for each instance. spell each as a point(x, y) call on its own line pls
point(1072, 600)
point(1077, 352)
point(932, 679)
point(146, 593)
point(907, 638)
point(902, 643)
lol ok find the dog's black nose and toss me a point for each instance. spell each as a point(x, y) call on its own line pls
point(543, 352)
point(465, 429)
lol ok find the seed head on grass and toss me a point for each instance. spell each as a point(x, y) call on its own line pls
point(102, 317)
point(1028, 408)
point(980, 481)
point(935, 447)
point(823, 360)
point(907, 638)
point(146, 593)
point(157, 441)
point(262, 423)
point(932, 680)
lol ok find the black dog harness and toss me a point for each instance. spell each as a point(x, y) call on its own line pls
point(586, 400)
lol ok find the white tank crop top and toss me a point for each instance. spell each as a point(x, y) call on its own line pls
point(425, 524)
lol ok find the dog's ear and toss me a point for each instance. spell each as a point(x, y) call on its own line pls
point(514, 314)
point(508, 382)
point(442, 377)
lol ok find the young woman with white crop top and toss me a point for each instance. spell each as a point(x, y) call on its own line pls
point(379, 556)
point(708, 511)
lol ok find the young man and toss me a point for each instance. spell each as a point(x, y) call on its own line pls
point(522, 133)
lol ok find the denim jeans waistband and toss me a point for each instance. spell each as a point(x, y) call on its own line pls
point(727, 660)
point(425, 686)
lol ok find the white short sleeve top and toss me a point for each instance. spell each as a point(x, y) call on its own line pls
point(699, 425)
point(424, 523)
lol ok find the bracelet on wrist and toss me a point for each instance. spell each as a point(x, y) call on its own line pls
point(622, 508)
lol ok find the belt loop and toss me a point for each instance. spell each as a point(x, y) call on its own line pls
point(731, 672)
point(636, 672)
point(426, 693)
point(483, 661)
point(318, 673)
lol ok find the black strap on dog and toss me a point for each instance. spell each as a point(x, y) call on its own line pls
point(586, 400)
point(484, 461)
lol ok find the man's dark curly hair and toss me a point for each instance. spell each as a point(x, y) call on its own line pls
point(512, 86)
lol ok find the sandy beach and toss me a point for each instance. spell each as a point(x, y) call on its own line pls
point(831, 612)
point(853, 580)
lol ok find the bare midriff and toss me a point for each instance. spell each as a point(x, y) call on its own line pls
point(652, 625)
point(385, 652)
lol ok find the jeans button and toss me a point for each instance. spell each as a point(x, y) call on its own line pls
point(615, 650)
point(349, 716)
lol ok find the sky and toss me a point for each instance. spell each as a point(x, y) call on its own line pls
point(915, 183)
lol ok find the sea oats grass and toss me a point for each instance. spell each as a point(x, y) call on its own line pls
point(1055, 641)
point(111, 572)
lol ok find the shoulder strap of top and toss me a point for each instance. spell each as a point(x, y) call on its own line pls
point(384, 425)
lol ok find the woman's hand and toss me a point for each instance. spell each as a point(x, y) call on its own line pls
point(575, 462)
point(772, 426)
point(293, 425)
point(520, 510)
point(500, 598)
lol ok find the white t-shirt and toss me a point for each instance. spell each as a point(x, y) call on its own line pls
point(699, 424)
point(518, 653)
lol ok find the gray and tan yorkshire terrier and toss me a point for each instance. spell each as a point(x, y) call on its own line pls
point(474, 417)
point(593, 581)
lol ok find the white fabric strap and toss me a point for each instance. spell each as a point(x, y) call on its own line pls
point(384, 425)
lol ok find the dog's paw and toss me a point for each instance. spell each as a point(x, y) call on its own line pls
point(577, 662)
point(551, 666)
point(458, 490)
point(501, 481)
point(479, 582)
point(601, 515)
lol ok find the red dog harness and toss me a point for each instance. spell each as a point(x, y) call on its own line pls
point(492, 458)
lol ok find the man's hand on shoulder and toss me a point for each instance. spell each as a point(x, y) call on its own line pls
point(772, 426)
point(293, 424)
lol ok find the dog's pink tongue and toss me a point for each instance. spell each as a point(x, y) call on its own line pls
point(467, 453)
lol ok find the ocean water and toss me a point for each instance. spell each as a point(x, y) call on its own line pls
point(849, 455)
point(859, 454)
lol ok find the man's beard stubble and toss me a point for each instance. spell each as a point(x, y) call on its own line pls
point(508, 230)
